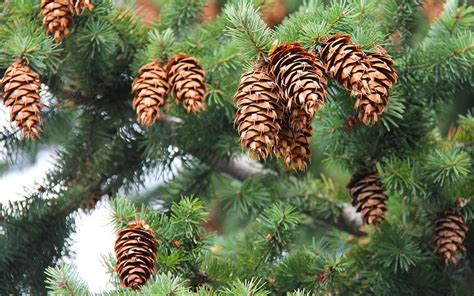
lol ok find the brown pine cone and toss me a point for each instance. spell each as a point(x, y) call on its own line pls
point(78, 7)
point(151, 89)
point(257, 112)
point(449, 231)
point(187, 82)
point(367, 77)
point(21, 87)
point(135, 251)
point(294, 146)
point(300, 77)
point(382, 77)
point(368, 197)
point(57, 18)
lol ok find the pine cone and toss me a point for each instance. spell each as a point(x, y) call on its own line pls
point(294, 146)
point(57, 18)
point(300, 76)
point(367, 77)
point(150, 88)
point(368, 197)
point(135, 250)
point(382, 77)
point(187, 82)
point(256, 117)
point(78, 7)
point(21, 87)
point(449, 231)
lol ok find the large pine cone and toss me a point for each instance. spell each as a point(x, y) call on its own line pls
point(150, 88)
point(449, 231)
point(78, 7)
point(294, 146)
point(257, 112)
point(57, 18)
point(300, 77)
point(135, 251)
point(187, 82)
point(21, 87)
point(368, 197)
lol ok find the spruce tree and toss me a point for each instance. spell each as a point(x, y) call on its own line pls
point(308, 158)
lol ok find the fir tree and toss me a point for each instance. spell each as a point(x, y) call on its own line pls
point(279, 231)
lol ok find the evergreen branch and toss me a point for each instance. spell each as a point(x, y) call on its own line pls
point(249, 31)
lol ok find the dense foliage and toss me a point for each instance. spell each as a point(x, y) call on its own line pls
point(228, 225)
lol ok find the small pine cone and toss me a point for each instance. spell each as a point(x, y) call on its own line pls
point(57, 18)
point(135, 251)
point(449, 231)
point(257, 112)
point(21, 87)
point(151, 89)
point(78, 7)
point(90, 204)
point(187, 82)
point(300, 76)
point(368, 197)
point(382, 77)
point(294, 146)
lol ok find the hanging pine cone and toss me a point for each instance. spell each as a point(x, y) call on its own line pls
point(257, 112)
point(294, 146)
point(368, 197)
point(21, 87)
point(187, 82)
point(150, 88)
point(78, 7)
point(135, 251)
point(300, 76)
point(382, 77)
point(345, 62)
point(368, 78)
point(449, 231)
point(57, 18)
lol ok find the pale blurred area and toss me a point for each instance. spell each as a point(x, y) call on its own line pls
point(95, 236)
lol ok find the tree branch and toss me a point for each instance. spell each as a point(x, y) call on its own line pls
point(242, 167)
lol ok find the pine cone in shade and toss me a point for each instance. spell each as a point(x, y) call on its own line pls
point(368, 197)
point(257, 112)
point(78, 7)
point(57, 18)
point(294, 146)
point(382, 77)
point(300, 76)
point(151, 89)
point(135, 251)
point(21, 87)
point(187, 82)
point(449, 231)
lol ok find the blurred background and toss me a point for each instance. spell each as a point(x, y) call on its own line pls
point(94, 235)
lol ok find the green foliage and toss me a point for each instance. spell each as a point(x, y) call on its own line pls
point(65, 280)
point(448, 167)
point(252, 36)
point(257, 228)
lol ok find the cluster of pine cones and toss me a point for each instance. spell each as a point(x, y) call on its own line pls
point(278, 98)
point(449, 228)
point(182, 75)
point(58, 15)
